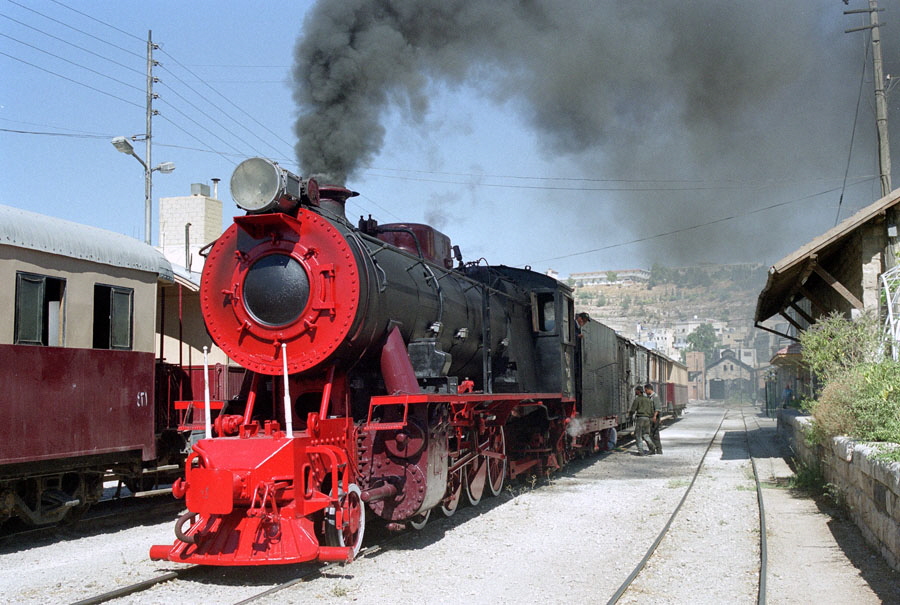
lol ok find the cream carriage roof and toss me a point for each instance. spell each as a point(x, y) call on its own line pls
point(24, 229)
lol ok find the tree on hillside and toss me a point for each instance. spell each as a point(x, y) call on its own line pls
point(659, 275)
point(612, 277)
point(703, 339)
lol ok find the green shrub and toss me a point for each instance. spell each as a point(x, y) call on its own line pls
point(863, 402)
point(836, 344)
point(861, 395)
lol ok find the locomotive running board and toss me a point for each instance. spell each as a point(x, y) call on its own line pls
point(501, 399)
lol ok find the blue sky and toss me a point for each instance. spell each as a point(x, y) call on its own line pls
point(481, 162)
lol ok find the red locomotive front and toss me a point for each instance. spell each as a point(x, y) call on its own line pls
point(325, 317)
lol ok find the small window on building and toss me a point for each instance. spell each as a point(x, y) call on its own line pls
point(39, 310)
point(112, 317)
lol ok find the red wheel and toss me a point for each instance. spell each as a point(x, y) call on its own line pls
point(454, 492)
point(418, 522)
point(353, 526)
point(475, 478)
point(496, 467)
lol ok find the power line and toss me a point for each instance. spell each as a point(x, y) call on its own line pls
point(564, 188)
point(73, 45)
point(52, 126)
point(222, 126)
point(57, 134)
point(103, 92)
point(248, 144)
point(204, 143)
point(196, 123)
point(175, 92)
point(240, 155)
point(247, 82)
point(862, 79)
point(64, 24)
point(239, 66)
point(122, 31)
point(93, 71)
point(539, 178)
point(690, 228)
point(257, 122)
point(376, 204)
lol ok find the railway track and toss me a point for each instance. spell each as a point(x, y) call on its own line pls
point(503, 548)
point(641, 566)
point(312, 570)
point(106, 514)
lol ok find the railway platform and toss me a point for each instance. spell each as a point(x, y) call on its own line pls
point(815, 553)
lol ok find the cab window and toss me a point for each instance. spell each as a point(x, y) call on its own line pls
point(543, 312)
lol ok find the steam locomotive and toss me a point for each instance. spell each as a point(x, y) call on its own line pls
point(384, 375)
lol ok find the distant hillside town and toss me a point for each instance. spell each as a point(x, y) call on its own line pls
point(701, 315)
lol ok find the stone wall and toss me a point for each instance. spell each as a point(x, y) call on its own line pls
point(870, 489)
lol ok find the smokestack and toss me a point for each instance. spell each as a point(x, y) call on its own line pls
point(216, 188)
point(334, 199)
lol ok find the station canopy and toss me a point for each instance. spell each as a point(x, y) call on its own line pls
point(819, 271)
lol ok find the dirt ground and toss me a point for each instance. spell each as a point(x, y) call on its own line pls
point(572, 540)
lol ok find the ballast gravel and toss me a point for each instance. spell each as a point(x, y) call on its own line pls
point(573, 539)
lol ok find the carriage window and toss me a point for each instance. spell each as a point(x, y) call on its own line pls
point(112, 317)
point(39, 310)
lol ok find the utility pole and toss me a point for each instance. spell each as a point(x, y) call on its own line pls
point(881, 118)
point(892, 247)
point(123, 144)
point(148, 173)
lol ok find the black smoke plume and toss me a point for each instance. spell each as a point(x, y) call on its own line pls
point(716, 108)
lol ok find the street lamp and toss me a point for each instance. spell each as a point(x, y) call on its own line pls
point(124, 145)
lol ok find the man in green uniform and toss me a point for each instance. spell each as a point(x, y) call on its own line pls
point(655, 419)
point(642, 410)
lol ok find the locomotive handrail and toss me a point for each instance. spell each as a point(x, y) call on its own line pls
point(382, 285)
point(204, 251)
point(467, 398)
point(422, 259)
point(440, 290)
point(402, 230)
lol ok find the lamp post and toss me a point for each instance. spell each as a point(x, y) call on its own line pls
point(124, 145)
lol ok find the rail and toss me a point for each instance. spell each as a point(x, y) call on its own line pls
point(761, 593)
